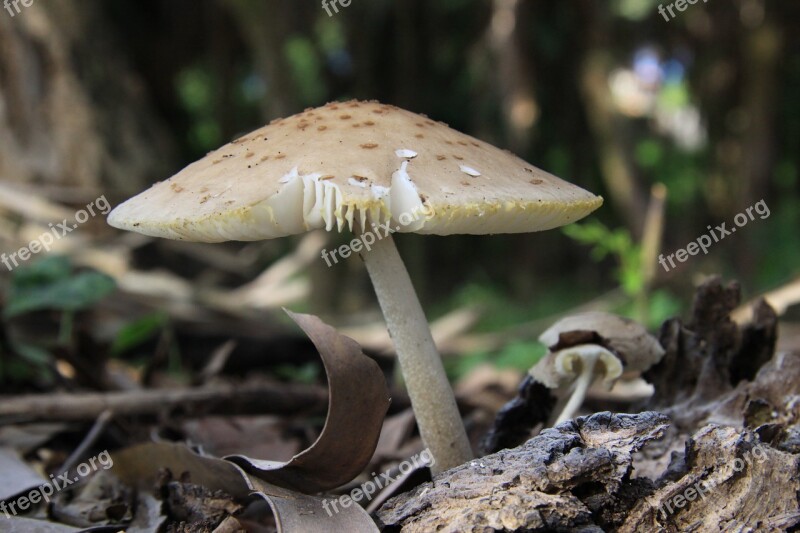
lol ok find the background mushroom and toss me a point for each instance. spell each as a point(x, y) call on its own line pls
point(374, 169)
point(588, 346)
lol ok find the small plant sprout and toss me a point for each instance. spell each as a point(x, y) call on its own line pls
point(372, 169)
point(590, 346)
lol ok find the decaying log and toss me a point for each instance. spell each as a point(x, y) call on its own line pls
point(555, 481)
point(727, 481)
point(723, 446)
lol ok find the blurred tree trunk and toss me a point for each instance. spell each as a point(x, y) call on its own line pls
point(264, 26)
point(628, 196)
point(512, 76)
point(71, 111)
point(762, 56)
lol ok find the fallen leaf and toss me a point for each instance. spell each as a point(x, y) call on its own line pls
point(18, 477)
point(358, 401)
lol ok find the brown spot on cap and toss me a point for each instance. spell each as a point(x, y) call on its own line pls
point(462, 143)
point(345, 117)
point(328, 177)
point(264, 158)
point(280, 156)
point(175, 187)
point(458, 158)
point(536, 181)
point(322, 128)
point(250, 154)
point(419, 136)
point(369, 146)
point(369, 123)
point(441, 157)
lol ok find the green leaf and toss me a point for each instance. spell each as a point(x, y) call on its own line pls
point(41, 272)
point(305, 373)
point(520, 355)
point(137, 332)
point(33, 354)
point(48, 284)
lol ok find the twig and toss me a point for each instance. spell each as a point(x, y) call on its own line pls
point(218, 399)
point(651, 246)
point(97, 429)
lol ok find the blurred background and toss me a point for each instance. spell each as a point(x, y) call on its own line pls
point(678, 122)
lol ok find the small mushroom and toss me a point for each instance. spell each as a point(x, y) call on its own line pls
point(303, 180)
point(588, 346)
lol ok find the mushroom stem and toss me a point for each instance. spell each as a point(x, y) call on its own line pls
point(588, 362)
point(430, 392)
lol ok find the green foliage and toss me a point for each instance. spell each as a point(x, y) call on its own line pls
point(50, 284)
point(499, 312)
point(634, 10)
point(306, 69)
point(649, 154)
point(617, 243)
point(651, 308)
point(196, 93)
point(33, 363)
point(776, 246)
point(306, 373)
point(518, 355)
point(139, 331)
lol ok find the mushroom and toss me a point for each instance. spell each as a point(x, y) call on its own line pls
point(374, 169)
point(586, 346)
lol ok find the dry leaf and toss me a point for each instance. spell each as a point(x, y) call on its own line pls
point(358, 403)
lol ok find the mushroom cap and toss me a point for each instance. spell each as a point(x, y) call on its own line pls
point(559, 368)
point(353, 162)
point(637, 349)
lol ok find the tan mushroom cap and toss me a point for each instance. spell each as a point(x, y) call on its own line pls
point(353, 162)
point(630, 340)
